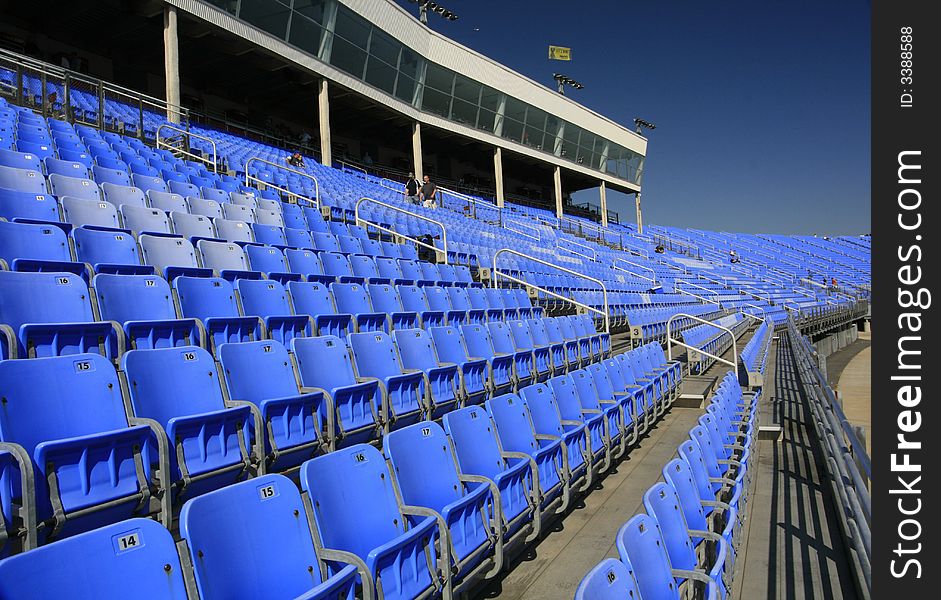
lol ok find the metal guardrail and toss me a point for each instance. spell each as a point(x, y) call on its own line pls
point(315, 201)
point(537, 236)
point(604, 290)
point(184, 135)
point(345, 165)
point(671, 341)
point(474, 203)
point(653, 273)
point(593, 256)
point(367, 224)
point(846, 455)
point(580, 227)
point(697, 286)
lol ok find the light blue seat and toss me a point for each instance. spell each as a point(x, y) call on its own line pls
point(237, 212)
point(141, 219)
point(166, 201)
point(396, 548)
point(269, 217)
point(211, 193)
point(699, 512)
point(104, 174)
point(50, 314)
point(22, 180)
point(268, 300)
point(192, 227)
point(136, 554)
point(374, 355)
point(209, 440)
point(225, 259)
point(203, 206)
point(233, 231)
point(120, 195)
point(613, 410)
point(28, 205)
point(148, 182)
point(427, 476)
point(65, 168)
point(212, 301)
point(337, 265)
point(171, 256)
point(20, 160)
point(275, 558)
point(610, 579)
point(62, 185)
point(95, 213)
point(183, 188)
point(91, 467)
point(523, 340)
point(442, 381)
point(271, 235)
point(143, 305)
point(352, 298)
point(314, 299)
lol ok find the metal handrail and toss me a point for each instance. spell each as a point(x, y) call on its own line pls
point(639, 266)
point(399, 188)
point(763, 312)
point(249, 177)
point(696, 285)
point(345, 164)
point(671, 341)
point(377, 226)
point(604, 289)
point(594, 253)
point(602, 232)
point(638, 275)
point(537, 237)
point(472, 201)
point(697, 296)
point(214, 163)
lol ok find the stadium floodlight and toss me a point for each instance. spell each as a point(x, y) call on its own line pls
point(425, 5)
point(563, 81)
point(642, 124)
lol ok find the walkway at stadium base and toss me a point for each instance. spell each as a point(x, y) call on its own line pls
point(793, 547)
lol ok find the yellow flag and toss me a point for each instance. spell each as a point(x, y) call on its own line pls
point(560, 53)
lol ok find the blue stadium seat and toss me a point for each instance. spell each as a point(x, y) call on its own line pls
point(414, 300)
point(268, 300)
point(365, 267)
point(22, 180)
point(474, 372)
point(352, 298)
point(227, 260)
point(136, 554)
point(397, 548)
point(205, 207)
point(297, 423)
point(271, 261)
point(442, 381)
point(439, 301)
point(212, 300)
point(233, 231)
point(411, 270)
point(108, 251)
point(50, 314)
point(307, 264)
point(120, 195)
point(388, 268)
point(460, 301)
point(523, 341)
point(143, 305)
point(209, 438)
point(144, 220)
point(67, 413)
point(297, 238)
point(314, 299)
point(20, 160)
point(324, 242)
point(183, 188)
point(61, 185)
point(105, 175)
point(65, 168)
point(171, 256)
point(94, 213)
point(270, 235)
point(610, 579)
point(166, 201)
point(338, 266)
point(28, 206)
point(276, 558)
point(600, 438)
point(502, 369)
point(478, 453)
point(374, 355)
point(385, 299)
point(146, 182)
point(236, 212)
point(700, 514)
point(192, 227)
point(524, 366)
point(427, 476)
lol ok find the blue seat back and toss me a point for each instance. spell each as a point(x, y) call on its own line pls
point(640, 543)
point(125, 298)
point(335, 264)
point(269, 234)
point(166, 201)
point(221, 256)
point(63, 185)
point(204, 297)
point(257, 371)
point(233, 231)
point(413, 298)
point(474, 440)
point(543, 409)
point(96, 246)
point(566, 397)
point(43, 298)
point(167, 251)
point(96, 213)
point(663, 504)
point(120, 195)
point(263, 297)
point(143, 219)
point(311, 298)
point(449, 345)
point(304, 262)
point(28, 205)
point(477, 339)
point(33, 241)
point(137, 554)
point(351, 298)
point(677, 473)
point(192, 226)
point(610, 579)
point(374, 354)
point(266, 259)
point(415, 348)
point(424, 467)
point(323, 362)
point(510, 414)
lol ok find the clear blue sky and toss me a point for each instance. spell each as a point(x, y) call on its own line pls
point(762, 107)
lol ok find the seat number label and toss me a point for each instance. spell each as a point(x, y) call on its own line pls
point(266, 492)
point(129, 541)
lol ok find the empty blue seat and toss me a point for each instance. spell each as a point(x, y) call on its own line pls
point(237, 212)
point(365, 267)
point(523, 339)
point(225, 259)
point(136, 554)
point(297, 238)
point(143, 305)
point(388, 268)
point(352, 298)
point(28, 205)
point(20, 160)
point(22, 180)
point(296, 424)
point(306, 264)
point(385, 299)
point(205, 207)
point(338, 266)
point(460, 301)
point(314, 299)
point(211, 193)
point(108, 251)
point(478, 453)
point(147, 182)
point(474, 372)
point(103, 174)
point(171, 256)
point(415, 300)
point(141, 219)
point(94, 213)
point(179, 389)
point(271, 261)
point(212, 300)
point(233, 231)
point(120, 195)
point(183, 188)
point(610, 579)
point(397, 548)
point(524, 366)
point(374, 355)
point(442, 381)
point(192, 227)
point(61, 185)
point(66, 168)
point(276, 558)
point(268, 300)
point(268, 234)
point(427, 476)
point(269, 217)
point(571, 410)
point(50, 314)
point(502, 369)
point(411, 270)
point(67, 414)
point(166, 201)
point(701, 514)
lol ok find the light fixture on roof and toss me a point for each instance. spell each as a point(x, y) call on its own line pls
point(563, 81)
point(642, 124)
point(425, 5)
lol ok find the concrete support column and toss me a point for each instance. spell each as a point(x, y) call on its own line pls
point(640, 216)
point(323, 112)
point(416, 150)
point(498, 175)
point(604, 204)
point(557, 176)
point(171, 63)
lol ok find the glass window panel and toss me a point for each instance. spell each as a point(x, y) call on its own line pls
point(408, 63)
point(490, 98)
point(436, 102)
point(351, 27)
point(515, 109)
point(512, 130)
point(464, 112)
point(348, 57)
point(466, 89)
point(305, 34)
point(311, 8)
point(380, 75)
point(439, 78)
point(485, 120)
point(384, 47)
point(268, 15)
point(536, 118)
point(405, 88)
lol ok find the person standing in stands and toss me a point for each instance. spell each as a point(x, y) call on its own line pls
point(296, 160)
point(429, 193)
point(411, 189)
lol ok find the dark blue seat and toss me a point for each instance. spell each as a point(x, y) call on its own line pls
point(352, 298)
point(28, 206)
point(212, 300)
point(474, 372)
point(396, 548)
point(374, 355)
point(268, 300)
point(314, 299)
point(385, 299)
point(414, 300)
point(442, 381)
